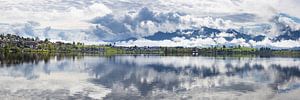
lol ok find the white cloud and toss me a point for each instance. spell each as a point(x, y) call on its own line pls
point(256, 11)
point(284, 22)
point(175, 42)
point(264, 9)
point(278, 44)
point(69, 20)
point(57, 14)
point(54, 19)
point(208, 42)
point(224, 34)
point(147, 22)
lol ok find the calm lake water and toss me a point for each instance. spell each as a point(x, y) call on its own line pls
point(40, 77)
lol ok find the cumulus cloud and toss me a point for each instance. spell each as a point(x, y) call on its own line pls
point(143, 23)
point(54, 19)
point(34, 29)
point(211, 42)
point(147, 22)
point(115, 20)
point(26, 29)
point(66, 14)
point(262, 9)
point(182, 42)
point(284, 22)
point(284, 44)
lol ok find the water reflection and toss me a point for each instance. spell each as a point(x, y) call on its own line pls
point(153, 77)
point(8, 59)
point(143, 75)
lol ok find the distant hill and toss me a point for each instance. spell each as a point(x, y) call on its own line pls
point(289, 35)
point(204, 32)
point(229, 34)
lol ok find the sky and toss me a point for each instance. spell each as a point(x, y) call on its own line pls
point(106, 21)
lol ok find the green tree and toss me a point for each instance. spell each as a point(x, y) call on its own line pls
point(46, 40)
point(224, 46)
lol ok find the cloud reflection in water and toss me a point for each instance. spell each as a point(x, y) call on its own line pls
point(156, 77)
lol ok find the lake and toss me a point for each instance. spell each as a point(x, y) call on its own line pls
point(136, 77)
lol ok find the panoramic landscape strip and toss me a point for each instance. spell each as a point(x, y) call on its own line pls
point(149, 50)
point(16, 44)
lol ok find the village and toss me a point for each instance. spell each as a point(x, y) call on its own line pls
point(15, 43)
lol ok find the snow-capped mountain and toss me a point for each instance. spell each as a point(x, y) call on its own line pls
point(289, 35)
point(204, 32)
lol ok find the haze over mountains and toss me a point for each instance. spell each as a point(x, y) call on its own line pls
point(188, 23)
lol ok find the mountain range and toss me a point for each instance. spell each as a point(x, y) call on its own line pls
point(228, 34)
